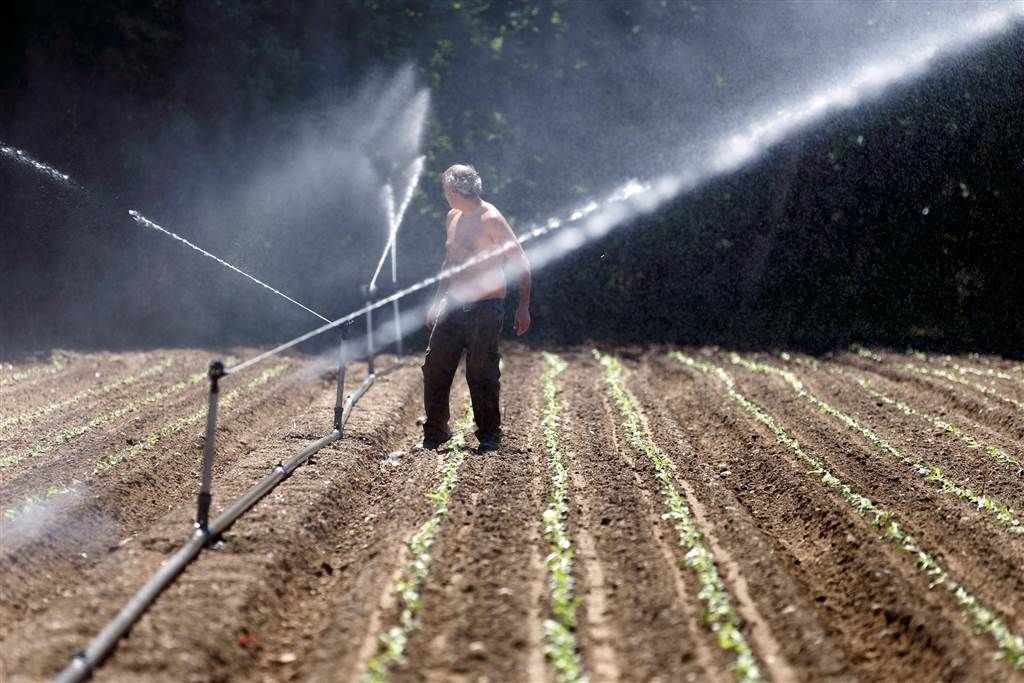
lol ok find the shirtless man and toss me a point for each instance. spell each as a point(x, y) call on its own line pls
point(469, 308)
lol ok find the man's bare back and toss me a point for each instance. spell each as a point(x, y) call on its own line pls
point(470, 235)
point(474, 228)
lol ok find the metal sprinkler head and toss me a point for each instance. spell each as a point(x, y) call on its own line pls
point(216, 370)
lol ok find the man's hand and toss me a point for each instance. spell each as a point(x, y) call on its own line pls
point(522, 320)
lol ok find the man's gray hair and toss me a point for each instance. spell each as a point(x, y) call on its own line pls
point(464, 179)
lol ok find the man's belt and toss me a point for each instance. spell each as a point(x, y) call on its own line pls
point(470, 306)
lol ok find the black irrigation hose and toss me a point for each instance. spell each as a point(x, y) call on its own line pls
point(83, 663)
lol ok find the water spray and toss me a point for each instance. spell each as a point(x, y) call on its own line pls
point(869, 80)
point(142, 220)
point(622, 194)
point(394, 222)
point(389, 206)
point(597, 217)
point(23, 158)
point(395, 218)
point(633, 198)
point(588, 222)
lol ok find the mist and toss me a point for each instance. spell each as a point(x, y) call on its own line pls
point(266, 136)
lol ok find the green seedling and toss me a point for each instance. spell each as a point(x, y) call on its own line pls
point(980, 388)
point(87, 393)
point(865, 353)
point(718, 613)
point(1010, 646)
point(74, 432)
point(990, 373)
point(560, 644)
point(145, 444)
point(413, 574)
point(1003, 514)
point(867, 385)
point(56, 365)
point(996, 453)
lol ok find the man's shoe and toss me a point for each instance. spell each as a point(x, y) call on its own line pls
point(430, 445)
point(487, 445)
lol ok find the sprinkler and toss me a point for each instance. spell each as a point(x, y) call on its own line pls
point(339, 399)
point(394, 222)
point(367, 295)
point(205, 496)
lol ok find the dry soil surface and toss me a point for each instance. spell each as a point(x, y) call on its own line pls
point(99, 459)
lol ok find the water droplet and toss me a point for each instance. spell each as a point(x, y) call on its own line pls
point(924, 211)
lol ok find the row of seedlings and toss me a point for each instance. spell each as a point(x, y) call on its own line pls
point(56, 364)
point(996, 453)
point(92, 392)
point(999, 510)
point(59, 489)
point(413, 574)
point(719, 613)
point(943, 374)
point(988, 372)
point(560, 643)
point(72, 433)
point(981, 388)
point(1009, 645)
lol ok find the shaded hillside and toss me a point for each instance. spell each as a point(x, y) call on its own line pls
point(897, 223)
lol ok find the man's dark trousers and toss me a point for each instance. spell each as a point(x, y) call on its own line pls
point(475, 327)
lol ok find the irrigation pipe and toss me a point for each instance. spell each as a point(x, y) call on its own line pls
point(84, 663)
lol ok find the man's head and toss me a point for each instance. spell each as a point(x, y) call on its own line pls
point(463, 181)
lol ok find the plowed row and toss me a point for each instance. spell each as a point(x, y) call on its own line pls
point(652, 515)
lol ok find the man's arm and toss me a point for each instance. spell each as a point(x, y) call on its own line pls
point(520, 264)
point(442, 285)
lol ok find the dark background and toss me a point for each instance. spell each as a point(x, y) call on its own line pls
point(260, 130)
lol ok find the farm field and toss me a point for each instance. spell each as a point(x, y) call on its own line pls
point(675, 514)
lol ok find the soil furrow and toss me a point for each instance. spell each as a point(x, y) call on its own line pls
point(69, 400)
point(911, 462)
point(481, 600)
point(996, 414)
point(235, 589)
point(972, 544)
point(15, 377)
point(86, 379)
point(860, 582)
point(914, 583)
point(720, 614)
point(70, 453)
point(635, 603)
point(63, 537)
point(971, 467)
point(57, 417)
point(88, 462)
point(757, 568)
point(336, 613)
point(998, 374)
point(560, 643)
point(937, 406)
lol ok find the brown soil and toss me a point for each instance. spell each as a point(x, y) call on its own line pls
point(302, 585)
